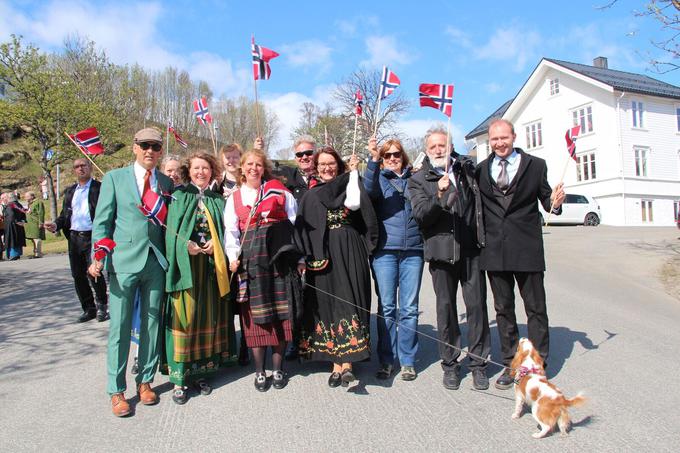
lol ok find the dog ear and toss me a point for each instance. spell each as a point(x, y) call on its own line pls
point(518, 359)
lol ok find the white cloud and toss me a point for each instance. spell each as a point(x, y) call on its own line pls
point(458, 36)
point(117, 31)
point(492, 87)
point(514, 45)
point(385, 50)
point(312, 55)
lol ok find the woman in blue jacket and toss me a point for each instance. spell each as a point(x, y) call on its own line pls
point(397, 262)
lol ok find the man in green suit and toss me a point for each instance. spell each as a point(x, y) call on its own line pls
point(137, 263)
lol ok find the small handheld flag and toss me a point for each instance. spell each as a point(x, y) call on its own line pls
point(153, 207)
point(88, 141)
point(388, 82)
point(201, 111)
point(437, 96)
point(102, 248)
point(261, 57)
point(570, 137)
point(358, 103)
point(178, 139)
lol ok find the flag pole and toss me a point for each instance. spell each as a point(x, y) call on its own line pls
point(377, 115)
point(354, 142)
point(84, 153)
point(325, 135)
point(212, 137)
point(552, 204)
point(448, 144)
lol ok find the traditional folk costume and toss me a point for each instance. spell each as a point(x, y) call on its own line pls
point(338, 229)
point(269, 287)
point(199, 337)
point(15, 239)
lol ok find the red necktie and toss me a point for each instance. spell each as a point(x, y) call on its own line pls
point(147, 183)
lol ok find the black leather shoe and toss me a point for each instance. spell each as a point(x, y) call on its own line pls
point(505, 380)
point(451, 379)
point(347, 377)
point(292, 351)
point(179, 396)
point(480, 380)
point(261, 383)
point(87, 316)
point(102, 315)
point(334, 380)
point(279, 379)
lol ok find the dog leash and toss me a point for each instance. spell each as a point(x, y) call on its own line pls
point(437, 340)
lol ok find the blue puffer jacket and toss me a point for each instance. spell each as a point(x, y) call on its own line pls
point(391, 200)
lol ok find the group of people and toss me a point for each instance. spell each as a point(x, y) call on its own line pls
point(19, 223)
point(292, 253)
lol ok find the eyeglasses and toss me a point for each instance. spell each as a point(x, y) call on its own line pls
point(156, 147)
point(396, 155)
point(307, 152)
point(80, 166)
point(327, 165)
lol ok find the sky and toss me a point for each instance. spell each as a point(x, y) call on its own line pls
point(487, 50)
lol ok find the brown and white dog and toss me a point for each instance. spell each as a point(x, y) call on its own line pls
point(548, 403)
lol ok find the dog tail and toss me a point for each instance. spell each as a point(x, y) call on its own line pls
point(576, 401)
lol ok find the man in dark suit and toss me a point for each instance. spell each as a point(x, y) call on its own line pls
point(75, 220)
point(297, 179)
point(511, 182)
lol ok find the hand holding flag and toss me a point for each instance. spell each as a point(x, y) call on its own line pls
point(102, 248)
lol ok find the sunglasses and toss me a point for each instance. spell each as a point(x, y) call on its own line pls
point(307, 152)
point(396, 155)
point(156, 147)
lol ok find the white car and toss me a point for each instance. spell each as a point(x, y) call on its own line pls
point(576, 210)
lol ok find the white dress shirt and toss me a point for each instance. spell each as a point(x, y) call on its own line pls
point(80, 208)
point(512, 168)
point(139, 177)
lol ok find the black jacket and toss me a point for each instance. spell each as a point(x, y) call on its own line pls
point(64, 220)
point(514, 236)
point(453, 222)
point(292, 179)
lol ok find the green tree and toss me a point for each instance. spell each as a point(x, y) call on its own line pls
point(45, 100)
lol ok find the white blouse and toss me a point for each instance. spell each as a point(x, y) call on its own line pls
point(232, 233)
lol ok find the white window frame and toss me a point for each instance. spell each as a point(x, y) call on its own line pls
point(586, 168)
point(534, 134)
point(583, 115)
point(641, 156)
point(637, 109)
point(647, 211)
point(554, 86)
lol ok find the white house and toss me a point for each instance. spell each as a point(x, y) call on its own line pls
point(628, 151)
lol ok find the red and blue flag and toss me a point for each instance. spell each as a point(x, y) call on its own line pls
point(154, 208)
point(437, 96)
point(358, 103)
point(178, 139)
point(261, 57)
point(388, 82)
point(570, 137)
point(201, 111)
point(88, 141)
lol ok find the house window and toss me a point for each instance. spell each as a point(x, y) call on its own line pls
point(641, 155)
point(584, 117)
point(647, 211)
point(585, 167)
point(534, 135)
point(554, 87)
point(638, 110)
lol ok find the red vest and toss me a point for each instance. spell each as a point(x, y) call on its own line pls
point(271, 208)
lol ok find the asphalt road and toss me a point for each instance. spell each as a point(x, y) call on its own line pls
point(614, 336)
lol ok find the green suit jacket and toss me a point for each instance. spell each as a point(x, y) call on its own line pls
point(118, 218)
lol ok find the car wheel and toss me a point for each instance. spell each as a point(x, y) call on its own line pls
point(591, 219)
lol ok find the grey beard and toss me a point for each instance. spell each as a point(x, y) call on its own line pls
point(439, 162)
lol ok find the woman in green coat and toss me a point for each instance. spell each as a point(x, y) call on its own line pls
point(35, 220)
point(199, 334)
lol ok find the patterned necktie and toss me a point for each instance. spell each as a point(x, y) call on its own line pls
point(503, 180)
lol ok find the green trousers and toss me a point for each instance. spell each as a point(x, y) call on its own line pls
point(151, 284)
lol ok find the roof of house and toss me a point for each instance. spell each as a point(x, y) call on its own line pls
point(624, 81)
point(619, 80)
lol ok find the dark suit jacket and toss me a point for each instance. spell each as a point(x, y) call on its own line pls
point(514, 236)
point(292, 179)
point(64, 220)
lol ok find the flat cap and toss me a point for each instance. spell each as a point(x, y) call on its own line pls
point(148, 134)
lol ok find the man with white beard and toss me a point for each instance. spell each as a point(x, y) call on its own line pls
point(447, 206)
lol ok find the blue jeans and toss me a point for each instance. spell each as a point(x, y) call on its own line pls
point(394, 269)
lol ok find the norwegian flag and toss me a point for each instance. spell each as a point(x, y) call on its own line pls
point(437, 96)
point(261, 57)
point(358, 103)
point(88, 141)
point(153, 207)
point(570, 137)
point(201, 111)
point(102, 248)
point(388, 82)
point(178, 139)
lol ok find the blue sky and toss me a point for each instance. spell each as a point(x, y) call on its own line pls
point(486, 49)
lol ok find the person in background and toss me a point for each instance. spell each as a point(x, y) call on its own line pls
point(35, 223)
point(3, 203)
point(259, 242)
point(231, 163)
point(199, 329)
point(171, 168)
point(75, 221)
point(15, 219)
point(338, 229)
point(397, 261)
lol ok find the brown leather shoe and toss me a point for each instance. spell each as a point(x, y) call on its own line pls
point(146, 396)
point(119, 405)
